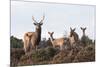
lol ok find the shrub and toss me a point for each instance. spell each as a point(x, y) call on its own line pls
point(15, 42)
point(86, 54)
point(51, 51)
point(58, 58)
point(65, 56)
point(44, 54)
point(40, 56)
point(15, 55)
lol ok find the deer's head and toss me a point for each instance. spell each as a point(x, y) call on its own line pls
point(51, 33)
point(72, 31)
point(38, 24)
point(83, 29)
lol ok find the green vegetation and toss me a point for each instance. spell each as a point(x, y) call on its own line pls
point(50, 55)
point(41, 56)
point(15, 42)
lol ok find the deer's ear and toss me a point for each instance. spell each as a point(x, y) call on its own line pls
point(35, 23)
point(81, 28)
point(52, 32)
point(74, 29)
point(41, 23)
point(85, 28)
point(70, 28)
point(48, 32)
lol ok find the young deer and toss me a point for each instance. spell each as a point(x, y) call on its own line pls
point(32, 39)
point(84, 37)
point(83, 30)
point(74, 38)
point(56, 42)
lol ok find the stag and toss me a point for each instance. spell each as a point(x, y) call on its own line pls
point(56, 42)
point(32, 39)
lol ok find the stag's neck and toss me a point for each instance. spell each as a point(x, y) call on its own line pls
point(51, 37)
point(38, 33)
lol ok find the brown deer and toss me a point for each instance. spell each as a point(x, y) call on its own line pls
point(56, 42)
point(83, 30)
point(74, 38)
point(32, 39)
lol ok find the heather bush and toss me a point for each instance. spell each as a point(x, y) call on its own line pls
point(15, 42)
point(86, 54)
point(50, 55)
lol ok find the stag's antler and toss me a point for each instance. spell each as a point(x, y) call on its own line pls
point(42, 19)
point(34, 19)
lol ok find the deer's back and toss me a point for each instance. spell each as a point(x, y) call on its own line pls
point(59, 41)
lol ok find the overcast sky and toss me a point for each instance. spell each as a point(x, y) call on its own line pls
point(58, 18)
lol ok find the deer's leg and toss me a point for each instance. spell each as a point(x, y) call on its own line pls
point(36, 47)
point(33, 44)
point(25, 49)
point(25, 46)
point(61, 47)
point(28, 45)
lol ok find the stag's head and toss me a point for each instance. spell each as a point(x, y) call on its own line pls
point(38, 24)
point(72, 31)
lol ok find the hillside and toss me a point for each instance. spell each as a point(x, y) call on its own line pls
point(50, 55)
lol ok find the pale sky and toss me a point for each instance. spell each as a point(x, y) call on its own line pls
point(58, 18)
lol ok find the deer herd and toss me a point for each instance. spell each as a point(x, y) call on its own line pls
point(32, 39)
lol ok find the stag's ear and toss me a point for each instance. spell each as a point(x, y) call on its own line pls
point(35, 23)
point(41, 23)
